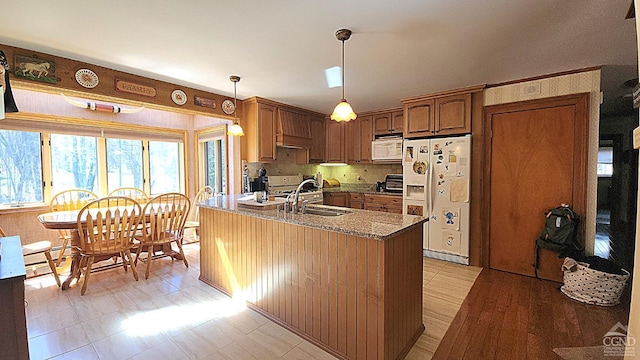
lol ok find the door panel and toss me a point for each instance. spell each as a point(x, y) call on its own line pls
point(536, 161)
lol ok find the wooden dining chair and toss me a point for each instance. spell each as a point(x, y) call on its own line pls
point(72, 199)
point(107, 228)
point(193, 220)
point(136, 194)
point(164, 220)
point(40, 247)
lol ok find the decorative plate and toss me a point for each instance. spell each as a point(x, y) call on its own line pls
point(87, 78)
point(228, 107)
point(179, 97)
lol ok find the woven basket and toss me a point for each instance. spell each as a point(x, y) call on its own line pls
point(591, 286)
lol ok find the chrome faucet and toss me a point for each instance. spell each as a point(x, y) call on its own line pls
point(294, 207)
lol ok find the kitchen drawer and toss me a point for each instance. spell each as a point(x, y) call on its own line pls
point(389, 200)
point(356, 200)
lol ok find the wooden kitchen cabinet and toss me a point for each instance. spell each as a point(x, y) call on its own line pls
point(334, 148)
point(388, 123)
point(356, 200)
point(336, 199)
point(357, 140)
point(317, 145)
point(446, 113)
point(259, 125)
point(381, 202)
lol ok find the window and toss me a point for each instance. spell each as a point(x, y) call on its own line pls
point(212, 159)
point(164, 167)
point(216, 165)
point(20, 169)
point(124, 164)
point(74, 163)
point(41, 157)
point(605, 161)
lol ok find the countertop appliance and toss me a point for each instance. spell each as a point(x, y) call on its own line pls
point(436, 185)
point(283, 185)
point(386, 149)
point(393, 183)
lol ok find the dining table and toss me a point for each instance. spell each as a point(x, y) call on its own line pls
point(68, 220)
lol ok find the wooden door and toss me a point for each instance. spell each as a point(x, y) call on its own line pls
point(536, 159)
point(418, 119)
point(316, 148)
point(334, 149)
point(382, 124)
point(352, 141)
point(266, 133)
point(366, 137)
point(397, 117)
point(453, 114)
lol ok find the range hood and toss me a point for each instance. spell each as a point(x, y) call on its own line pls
point(293, 130)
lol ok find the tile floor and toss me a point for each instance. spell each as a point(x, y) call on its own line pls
point(173, 315)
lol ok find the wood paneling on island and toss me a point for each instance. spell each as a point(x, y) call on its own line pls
point(356, 297)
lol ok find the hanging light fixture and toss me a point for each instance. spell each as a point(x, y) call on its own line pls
point(235, 129)
point(343, 111)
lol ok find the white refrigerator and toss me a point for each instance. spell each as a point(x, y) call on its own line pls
point(436, 185)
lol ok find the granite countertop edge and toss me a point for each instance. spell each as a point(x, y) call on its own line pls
point(364, 223)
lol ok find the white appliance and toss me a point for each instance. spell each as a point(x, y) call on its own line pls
point(436, 174)
point(386, 149)
point(282, 186)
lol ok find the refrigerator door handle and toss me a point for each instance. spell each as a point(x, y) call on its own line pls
point(429, 185)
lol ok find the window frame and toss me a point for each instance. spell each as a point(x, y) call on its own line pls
point(202, 136)
point(46, 125)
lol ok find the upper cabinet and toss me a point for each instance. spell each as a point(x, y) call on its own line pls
point(259, 125)
point(334, 145)
point(268, 124)
point(357, 140)
point(388, 122)
point(316, 146)
point(447, 113)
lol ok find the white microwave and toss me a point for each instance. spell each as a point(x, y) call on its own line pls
point(386, 149)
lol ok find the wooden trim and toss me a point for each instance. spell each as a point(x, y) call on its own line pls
point(581, 135)
point(469, 89)
point(543, 77)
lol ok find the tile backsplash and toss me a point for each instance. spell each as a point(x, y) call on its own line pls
point(352, 174)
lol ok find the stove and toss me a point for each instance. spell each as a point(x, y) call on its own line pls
point(283, 185)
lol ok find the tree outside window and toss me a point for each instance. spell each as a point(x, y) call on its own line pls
point(74, 162)
point(124, 164)
point(20, 167)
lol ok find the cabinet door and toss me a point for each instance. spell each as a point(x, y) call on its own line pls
point(316, 149)
point(356, 200)
point(336, 199)
point(334, 139)
point(397, 118)
point(382, 124)
point(453, 114)
point(366, 137)
point(352, 141)
point(266, 133)
point(418, 119)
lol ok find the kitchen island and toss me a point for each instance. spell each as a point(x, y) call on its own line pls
point(351, 284)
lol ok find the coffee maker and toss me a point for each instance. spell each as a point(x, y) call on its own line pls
point(260, 182)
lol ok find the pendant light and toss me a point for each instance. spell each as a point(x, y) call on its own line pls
point(235, 129)
point(343, 111)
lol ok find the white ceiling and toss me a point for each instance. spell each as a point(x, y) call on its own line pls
point(281, 48)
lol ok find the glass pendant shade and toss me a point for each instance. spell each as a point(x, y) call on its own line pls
point(343, 112)
point(235, 129)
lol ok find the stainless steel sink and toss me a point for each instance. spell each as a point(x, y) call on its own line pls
point(325, 211)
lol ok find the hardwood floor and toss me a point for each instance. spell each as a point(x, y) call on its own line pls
point(508, 316)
